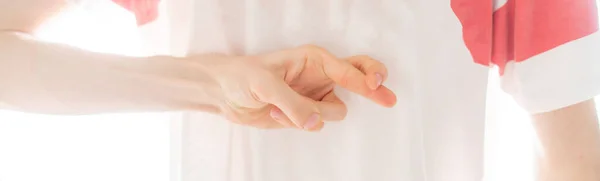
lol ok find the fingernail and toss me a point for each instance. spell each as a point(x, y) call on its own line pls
point(379, 80)
point(275, 114)
point(313, 120)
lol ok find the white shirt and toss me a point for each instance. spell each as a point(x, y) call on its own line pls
point(438, 53)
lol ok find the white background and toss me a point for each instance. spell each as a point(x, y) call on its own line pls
point(125, 147)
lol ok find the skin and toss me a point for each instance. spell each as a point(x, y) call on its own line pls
point(568, 143)
point(300, 82)
point(291, 88)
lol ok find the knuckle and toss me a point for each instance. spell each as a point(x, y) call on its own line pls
point(345, 78)
point(372, 66)
point(314, 51)
point(367, 63)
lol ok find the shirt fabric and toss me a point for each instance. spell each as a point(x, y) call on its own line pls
point(438, 53)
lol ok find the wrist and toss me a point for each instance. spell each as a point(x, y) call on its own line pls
point(184, 84)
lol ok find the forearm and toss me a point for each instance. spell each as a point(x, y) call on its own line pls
point(569, 144)
point(50, 78)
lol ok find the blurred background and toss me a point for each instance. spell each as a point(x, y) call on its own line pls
point(125, 147)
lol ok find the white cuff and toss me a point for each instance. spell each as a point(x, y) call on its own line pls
point(558, 78)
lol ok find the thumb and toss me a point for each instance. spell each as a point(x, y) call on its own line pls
point(302, 111)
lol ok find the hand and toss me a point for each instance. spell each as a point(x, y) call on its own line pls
point(294, 87)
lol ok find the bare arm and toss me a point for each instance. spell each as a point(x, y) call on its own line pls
point(51, 78)
point(569, 143)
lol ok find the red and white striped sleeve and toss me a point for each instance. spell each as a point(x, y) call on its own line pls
point(548, 51)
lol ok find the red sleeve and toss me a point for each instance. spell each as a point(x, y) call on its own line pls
point(525, 28)
point(145, 11)
point(546, 50)
point(499, 31)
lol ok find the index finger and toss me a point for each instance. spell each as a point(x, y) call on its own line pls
point(350, 77)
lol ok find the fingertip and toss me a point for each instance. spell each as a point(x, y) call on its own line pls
point(313, 121)
point(317, 127)
point(374, 81)
point(332, 108)
point(275, 113)
point(278, 115)
point(391, 103)
point(378, 79)
point(385, 97)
